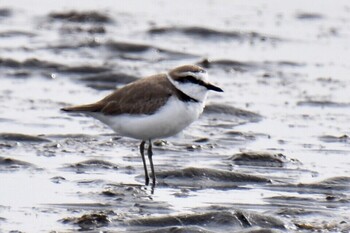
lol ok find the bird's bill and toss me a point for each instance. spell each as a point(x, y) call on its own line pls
point(212, 87)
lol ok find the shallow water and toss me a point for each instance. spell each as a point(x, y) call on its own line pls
point(270, 154)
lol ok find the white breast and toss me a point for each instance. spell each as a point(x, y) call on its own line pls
point(169, 120)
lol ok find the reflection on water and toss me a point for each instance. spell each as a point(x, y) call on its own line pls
point(270, 153)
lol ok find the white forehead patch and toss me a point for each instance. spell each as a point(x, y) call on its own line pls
point(199, 75)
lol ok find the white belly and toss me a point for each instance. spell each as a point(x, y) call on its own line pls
point(167, 121)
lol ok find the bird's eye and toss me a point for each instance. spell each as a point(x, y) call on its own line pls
point(189, 79)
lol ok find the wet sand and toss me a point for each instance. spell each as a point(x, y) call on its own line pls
point(270, 154)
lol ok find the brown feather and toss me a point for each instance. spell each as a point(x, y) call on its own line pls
point(144, 96)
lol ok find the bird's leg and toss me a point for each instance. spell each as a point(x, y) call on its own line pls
point(142, 149)
point(150, 153)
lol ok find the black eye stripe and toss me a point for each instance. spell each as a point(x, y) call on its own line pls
point(191, 79)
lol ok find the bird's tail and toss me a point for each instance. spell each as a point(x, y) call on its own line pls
point(83, 108)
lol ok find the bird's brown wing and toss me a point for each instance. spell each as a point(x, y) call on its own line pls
point(144, 96)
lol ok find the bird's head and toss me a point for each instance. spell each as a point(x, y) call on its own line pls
point(193, 81)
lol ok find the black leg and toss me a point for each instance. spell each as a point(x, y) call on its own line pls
point(150, 153)
point(142, 149)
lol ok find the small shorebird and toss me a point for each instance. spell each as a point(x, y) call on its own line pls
point(155, 107)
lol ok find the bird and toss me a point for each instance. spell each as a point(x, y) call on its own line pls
point(155, 107)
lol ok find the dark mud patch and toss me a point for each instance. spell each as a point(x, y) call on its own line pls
point(129, 51)
point(311, 220)
point(331, 187)
point(195, 229)
point(237, 136)
point(284, 64)
point(178, 229)
point(91, 29)
point(294, 211)
point(9, 164)
point(93, 164)
point(312, 205)
point(201, 140)
point(128, 47)
point(57, 179)
point(31, 63)
point(334, 183)
point(229, 65)
point(5, 12)
point(222, 109)
point(330, 138)
point(332, 226)
point(27, 67)
point(125, 191)
point(51, 149)
point(233, 220)
point(323, 104)
point(248, 66)
point(208, 33)
point(115, 46)
point(90, 221)
point(84, 69)
point(81, 17)
point(126, 50)
point(309, 16)
point(13, 33)
point(79, 143)
point(260, 230)
point(5, 119)
point(77, 137)
point(17, 137)
point(8, 145)
point(108, 81)
point(290, 200)
point(206, 178)
point(262, 159)
point(201, 32)
point(75, 207)
point(134, 199)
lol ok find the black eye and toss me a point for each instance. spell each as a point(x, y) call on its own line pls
point(189, 79)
